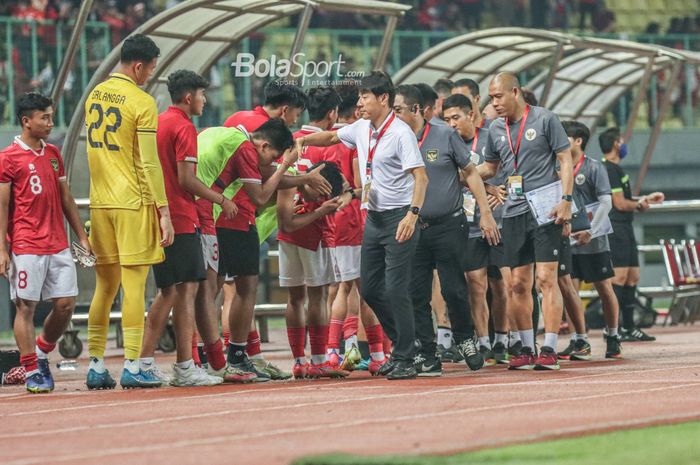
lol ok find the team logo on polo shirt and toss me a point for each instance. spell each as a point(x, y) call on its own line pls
point(474, 158)
point(580, 179)
point(530, 134)
point(32, 168)
point(54, 163)
point(431, 155)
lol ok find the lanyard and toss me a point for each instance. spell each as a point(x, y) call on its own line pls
point(371, 150)
point(578, 165)
point(475, 140)
point(520, 136)
point(426, 130)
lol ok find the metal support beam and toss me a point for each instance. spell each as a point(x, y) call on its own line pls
point(301, 31)
point(663, 109)
point(641, 96)
point(552, 73)
point(71, 50)
point(386, 42)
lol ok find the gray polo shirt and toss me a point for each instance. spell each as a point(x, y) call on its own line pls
point(444, 153)
point(590, 182)
point(543, 137)
point(436, 121)
point(477, 152)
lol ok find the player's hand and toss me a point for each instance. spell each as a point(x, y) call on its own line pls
point(345, 199)
point(407, 227)
point(330, 206)
point(489, 228)
point(642, 204)
point(561, 213)
point(499, 192)
point(299, 145)
point(493, 201)
point(166, 231)
point(229, 208)
point(566, 229)
point(290, 156)
point(318, 182)
point(85, 243)
point(655, 197)
point(4, 264)
point(582, 237)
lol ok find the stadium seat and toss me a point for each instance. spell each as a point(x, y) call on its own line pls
point(685, 301)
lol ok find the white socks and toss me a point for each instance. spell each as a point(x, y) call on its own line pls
point(349, 342)
point(550, 340)
point(527, 337)
point(132, 366)
point(485, 341)
point(186, 365)
point(444, 337)
point(97, 364)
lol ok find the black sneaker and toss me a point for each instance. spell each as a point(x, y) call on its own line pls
point(582, 351)
point(427, 366)
point(636, 334)
point(487, 354)
point(247, 366)
point(387, 368)
point(403, 370)
point(613, 347)
point(500, 353)
point(450, 355)
point(566, 353)
point(514, 349)
point(471, 356)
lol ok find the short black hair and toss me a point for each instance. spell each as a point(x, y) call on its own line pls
point(411, 95)
point(429, 94)
point(457, 101)
point(577, 130)
point(379, 83)
point(183, 81)
point(280, 93)
point(331, 172)
point(321, 101)
point(607, 139)
point(529, 97)
point(443, 87)
point(139, 47)
point(348, 99)
point(29, 103)
point(471, 83)
point(276, 133)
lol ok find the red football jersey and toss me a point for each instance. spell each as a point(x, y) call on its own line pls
point(349, 222)
point(250, 120)
point(177, 142)
point(35, 223)
point(242, 165)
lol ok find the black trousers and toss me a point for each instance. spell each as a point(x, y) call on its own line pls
point(440, 247)
point(385, 275)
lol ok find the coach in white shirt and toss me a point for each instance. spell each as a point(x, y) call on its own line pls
point(394, 182)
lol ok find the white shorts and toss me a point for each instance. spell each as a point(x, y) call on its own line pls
point(37, 277)
point(347, 262)
point(304, 267)
point(210, 250)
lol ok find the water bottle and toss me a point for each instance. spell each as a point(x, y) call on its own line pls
point(67, 365)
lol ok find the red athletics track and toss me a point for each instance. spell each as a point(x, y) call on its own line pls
point(274, 423)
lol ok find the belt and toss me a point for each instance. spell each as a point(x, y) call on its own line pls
point(425, 223)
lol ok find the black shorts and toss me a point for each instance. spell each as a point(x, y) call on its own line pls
point(239, 252)
point(479, 254)
point(623, 245)
point(527, 243)
point(593, 267)
point(184, 262)
point(565, 264)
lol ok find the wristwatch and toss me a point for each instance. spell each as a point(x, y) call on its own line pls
point(568, 198)
point(415, 210)
point(352, 193)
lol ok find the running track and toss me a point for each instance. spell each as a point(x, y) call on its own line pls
point(274, 423)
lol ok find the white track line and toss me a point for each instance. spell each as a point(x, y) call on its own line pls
point(229, 439)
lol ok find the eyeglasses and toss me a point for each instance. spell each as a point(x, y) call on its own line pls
point(398, 109)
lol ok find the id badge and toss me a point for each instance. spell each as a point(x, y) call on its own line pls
point(365, 194)
point(515, 187)
point(469, 205)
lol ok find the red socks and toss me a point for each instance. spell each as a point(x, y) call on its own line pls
point(253, 346)
point(318, 338)
point(227, 339)
point(29, 362)
point(350, 327)
point(195, 353)
point(375, 338)
point(45, 347)
point(215, 355)
point(334, 331)
point(297, 341)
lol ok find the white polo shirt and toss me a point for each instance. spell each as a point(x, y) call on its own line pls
point(396, 153)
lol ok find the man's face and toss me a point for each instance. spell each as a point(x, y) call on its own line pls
point(457, 119)
point(290, 115)
point(371, 105)
point(405, 112)
point(144, 71)
point(40, 123)
point(266, 153)
point(504, 100)
point(197, 102)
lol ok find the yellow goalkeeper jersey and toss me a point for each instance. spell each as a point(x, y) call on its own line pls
point(121, 122)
